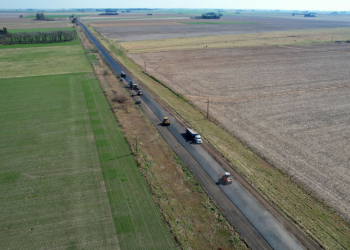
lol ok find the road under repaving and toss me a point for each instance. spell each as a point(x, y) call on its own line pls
point(262, 223)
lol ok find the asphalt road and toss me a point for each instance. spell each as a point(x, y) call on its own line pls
point(260, 228)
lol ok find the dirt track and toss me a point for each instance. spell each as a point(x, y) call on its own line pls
point(290, 104)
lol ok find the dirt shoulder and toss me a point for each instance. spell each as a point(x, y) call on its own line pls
point(193, 218)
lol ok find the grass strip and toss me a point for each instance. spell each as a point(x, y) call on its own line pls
point(39, 30)
point(35, 45)
point(312, 216)
point(137, 218)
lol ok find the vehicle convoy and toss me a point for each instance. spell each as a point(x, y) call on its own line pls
point(194, 135)
point(166, 121)
point(226, 177)
point(133, 85)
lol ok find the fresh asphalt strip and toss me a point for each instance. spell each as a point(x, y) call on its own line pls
point(261, 220)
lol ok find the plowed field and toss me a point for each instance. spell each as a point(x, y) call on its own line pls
point(289, 103)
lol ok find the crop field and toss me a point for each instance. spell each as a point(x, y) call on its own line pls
point(14, 22)
point(232, 25)
point(68, 178)
point(39, 30)
point(51, 185)
point(43, 61)
point(289, 103)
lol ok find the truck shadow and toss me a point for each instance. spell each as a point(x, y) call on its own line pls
point(188, 138)
point(221, 182)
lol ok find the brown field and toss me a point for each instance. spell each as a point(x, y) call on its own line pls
point(251, 25)
point(131, 23)
point(27, 23)
point(289, 103)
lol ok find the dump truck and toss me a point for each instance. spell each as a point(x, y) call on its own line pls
point(122, 74)
point(194, 135)
point(226, 177)
point(166, 121)
point(133, 85)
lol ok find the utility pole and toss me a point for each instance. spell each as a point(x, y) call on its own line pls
point(208, 109)
point(136, 143)
point(144, 61)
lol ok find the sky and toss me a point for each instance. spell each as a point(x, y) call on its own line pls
point(338, 5)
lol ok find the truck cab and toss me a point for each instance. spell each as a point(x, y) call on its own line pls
point(198, 139)
point(133, 85)
point(226, 177)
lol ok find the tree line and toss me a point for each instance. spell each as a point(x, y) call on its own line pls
point(38, 37)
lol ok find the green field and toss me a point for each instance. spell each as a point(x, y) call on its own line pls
point(43, 61)
point(34, 45)
point(50, 185)
point(68, 178)
point(39, 30)
point(215, 22)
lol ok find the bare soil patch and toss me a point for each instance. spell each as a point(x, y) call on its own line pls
point(290, 104)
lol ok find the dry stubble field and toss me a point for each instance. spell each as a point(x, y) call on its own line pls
point(167, 28)
point(289, 103)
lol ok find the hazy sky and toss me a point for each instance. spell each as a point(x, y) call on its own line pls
point(225, 4)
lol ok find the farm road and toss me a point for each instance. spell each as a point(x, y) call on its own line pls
point(264, 221)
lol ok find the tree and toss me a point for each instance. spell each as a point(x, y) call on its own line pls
point(4, 30)
point(38, 16)
point(74, 20)
point(42, 16)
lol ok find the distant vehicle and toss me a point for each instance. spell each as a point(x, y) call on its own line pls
point(194, 135)
point(138, 101)
point(226, 177)
point(166, 121)
point(133, 85)
point(122, 74)
point(150, 14)
point(309, 15)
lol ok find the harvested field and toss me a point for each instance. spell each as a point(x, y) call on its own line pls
point(256, 24)
point(290, 104)
point(14, 22)
point(239, 40)
point(43, 61)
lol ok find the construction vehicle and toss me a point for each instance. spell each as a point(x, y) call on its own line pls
point(226, 177)
point(194, 135)
point(122, 74)
point(166, 121)
point(133, 85)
